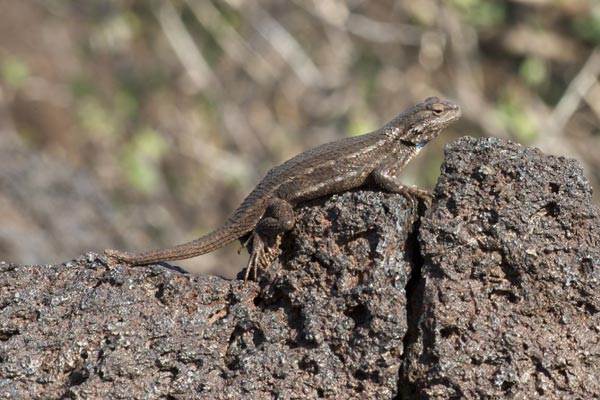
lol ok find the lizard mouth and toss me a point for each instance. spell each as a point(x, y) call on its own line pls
point(452, 115)
point(447, 118)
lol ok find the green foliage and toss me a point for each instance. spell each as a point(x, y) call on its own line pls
point(125, 106)
point(99, 119)
point(516, 118)
point(81, 87)
point(141, 158)
point(96, 120)
point(533, 70)
point(133, 21)
point(204, 39)
point(368, 66)
point(588, 28)
point(482, 13)
point(14, 72)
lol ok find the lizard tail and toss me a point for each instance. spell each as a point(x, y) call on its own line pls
point(212, 241)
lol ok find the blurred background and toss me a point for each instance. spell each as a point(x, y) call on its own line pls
point(143, 124)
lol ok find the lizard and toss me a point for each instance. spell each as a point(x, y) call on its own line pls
point(352, 162)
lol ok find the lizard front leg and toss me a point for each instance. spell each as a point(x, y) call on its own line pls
point(278, 219)
point(385, 177)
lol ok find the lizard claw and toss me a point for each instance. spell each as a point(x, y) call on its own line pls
point(256, 254)
point(260, 256)
point(414, 194)
point(426, 197)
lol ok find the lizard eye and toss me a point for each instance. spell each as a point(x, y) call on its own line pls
point(437, 109)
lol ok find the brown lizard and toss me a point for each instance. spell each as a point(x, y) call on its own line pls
point(268, 211)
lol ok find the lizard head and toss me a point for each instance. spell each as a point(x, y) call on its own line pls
point(424, 121)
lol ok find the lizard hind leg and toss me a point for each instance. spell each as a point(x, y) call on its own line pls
point(266, 236)
point(261, 254)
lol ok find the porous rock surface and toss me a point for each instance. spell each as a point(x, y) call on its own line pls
point(329, 322)
point(493, 293)
point(510, 301)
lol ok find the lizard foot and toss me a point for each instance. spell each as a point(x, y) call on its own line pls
point(261, 255)
point(413, 194)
